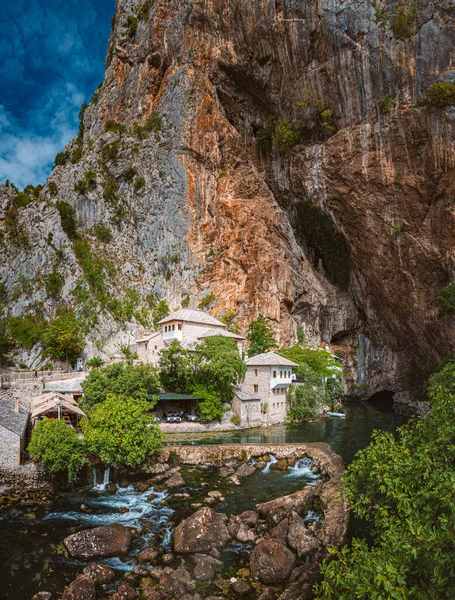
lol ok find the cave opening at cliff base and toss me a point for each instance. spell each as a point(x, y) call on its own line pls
point(382, 400)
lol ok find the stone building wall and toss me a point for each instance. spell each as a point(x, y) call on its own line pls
point(249, 412)
point(10, 449)
point(273, 404)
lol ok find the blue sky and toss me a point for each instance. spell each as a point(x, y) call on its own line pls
point(51, 61)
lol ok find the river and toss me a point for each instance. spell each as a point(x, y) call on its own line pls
point(32, 556)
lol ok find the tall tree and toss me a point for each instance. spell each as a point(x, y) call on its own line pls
point(57, 447)
point(260, 336)
point(122, 432)
point(322, 362)
point(64, 337)
point(176, 369)
point(160, 312)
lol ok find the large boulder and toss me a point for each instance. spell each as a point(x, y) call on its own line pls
point(100, 574)
point(300, 538)
point(107, 540)
point(201, 532)
point(271, 562)
point(82, 588)
point(42, 596)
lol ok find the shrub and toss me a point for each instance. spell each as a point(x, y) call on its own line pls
point(52, 187)
point(54, 283)
point(139, 184)
point(326, 120)
point(110, 191)
point(76, 155)
point(223, 172)
point(129, 174)
point(154, 123)
point(61, 158)
point(441, 94)
point(110, 151)
point(120, 213)
point(185, 301)
point(96, 96)
point(102, 233)
point(87, 183)
point(385, 104)
point(279, 133)
point(305, 400)
point(112, 125)
point(92, 267)
point(132, 26)
point(67, 218)
point(160, 311)
point(139, 131)
point(26, 331)
point(207, 301)
point(144, 10)
point(211, 407)
point(403, 22)
point(446, 300)
point(96, 362)
point(21, 200)
point(57, 447)
point(235, 420)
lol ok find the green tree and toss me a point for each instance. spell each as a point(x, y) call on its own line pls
point(176, 369)
point(219, 366)
point(64, 337)
point(441, 94)
point(161, 311)
point(321, 362)
point(122, 432)
point(260, 336)
point(404, 486)
point(130, 381)
point(211, 407)
point(305, 400)
point(57, 447)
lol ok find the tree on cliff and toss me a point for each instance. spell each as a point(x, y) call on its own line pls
point(404, 485)
point(57, 447)
point(160, 312)
point(129, 381)
point(122, 432)
point(260, 336)
point(64, 337)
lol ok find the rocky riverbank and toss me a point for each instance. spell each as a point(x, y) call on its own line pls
point(206, 548)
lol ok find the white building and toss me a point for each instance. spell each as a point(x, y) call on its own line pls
point(268, 378)
point(189, 327)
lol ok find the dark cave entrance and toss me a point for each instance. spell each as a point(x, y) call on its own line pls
point(382, 400)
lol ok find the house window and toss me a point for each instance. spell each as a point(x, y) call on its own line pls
point(173, 327)
point(274, 374)
point(180, 327)
point(255, 388)
point(156, 347)
point(255, 372)
point(289, 374)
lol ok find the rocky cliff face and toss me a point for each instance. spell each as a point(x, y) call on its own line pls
point(349, 232)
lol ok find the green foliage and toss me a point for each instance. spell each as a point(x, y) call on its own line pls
point(320, 361)
point(316, 231)
point(404, 486)
point(403, 22)
point(445, 301)
point(306, 400)
point(327, 120)
point(139, 131)
point(211, 407)
point(57, 447)
point(17, 233)
point(129, 381)
point(96, 362)
point(139, 184)
point(260, 336)
point(110, 190)
point(385, 104)
point(96, 94)
point(64, 336)
point(207, 301)
point(235, 420)
point(441, 94)
point(129, 174)
point(301, 335)
point(132, 26)
point(398, 229)
point(160, 312)
point(76, 155)
point(154, 123)
point(121, 431)
point(102, 233)
point(223, 172)
point(52, 188)
point(228, 318)
point(21, 200)
point(25, 331)
point(151, 300)
point(61, 158)
point(54, 283)
point(67, 218)
point(110, 151)
point(127, 352)
point(176, 369)
point(144, 10)
point(279, 133)
point(185, 301)
point(92, 266)
point(112, 125)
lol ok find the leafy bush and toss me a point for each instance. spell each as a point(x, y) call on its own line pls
point(67, 218)
point(446, 300)
point(52, 188)
point(110, 151)
point(132, 26)
point(54, 282)
point(96, 362)
point(441, 94)
point(139, 131)
point(326, 120)
point(16, 230)
point(76, 155)
point(207, 301)
point(305, 401)
point(160, 311)
point(57, 447)
point(110, 191)
point(211, 407)
point(136, 381)
point(21, 200)
point(320, 361)
point(279, 133)
point(102, 233)
point(26, 331)
point(185, 301)
point(129, 174)
point(144, 10)
point(139, 184)
point(64, 336)
point(403, 22)
point(122, 432)
point(61, 158)
point(112, 125)
point(87, 183)
point(92, 266)
point(154, 123)
point(385, 104)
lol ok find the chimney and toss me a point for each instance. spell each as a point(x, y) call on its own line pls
point(16, 405)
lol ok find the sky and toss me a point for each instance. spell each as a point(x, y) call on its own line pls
point(52, 56)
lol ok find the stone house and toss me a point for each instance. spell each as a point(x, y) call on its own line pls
point(189, 327)
point(247, 408)
point(268, 378)
point(13, 426)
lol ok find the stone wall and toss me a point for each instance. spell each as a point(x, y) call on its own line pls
point(10, 449)
point(276, 403)
point(25, 480)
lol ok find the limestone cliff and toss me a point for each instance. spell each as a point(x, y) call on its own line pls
point(349, 232)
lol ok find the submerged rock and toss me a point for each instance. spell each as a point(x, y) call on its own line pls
point(149, 554)
point(82, 588)
point(245, 470)
point(280, 465)
point(204, 570)
point(201, 532)
point(271, 562)
point(107, 540)
point(242, 588)
point(175, 480)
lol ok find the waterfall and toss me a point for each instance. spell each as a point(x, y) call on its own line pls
point(94, 476)
point(272, 460)
point(107, 475)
